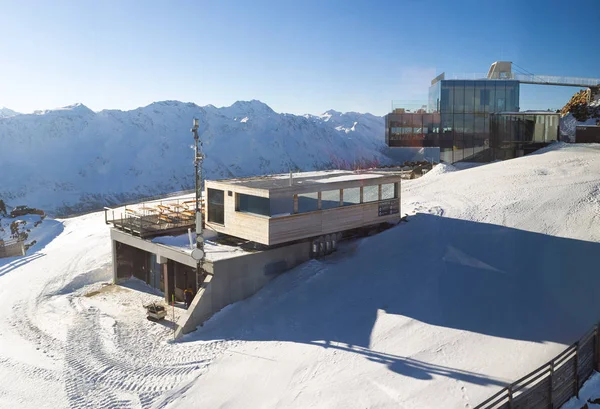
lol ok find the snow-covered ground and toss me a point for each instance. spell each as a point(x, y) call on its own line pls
point(439, 311)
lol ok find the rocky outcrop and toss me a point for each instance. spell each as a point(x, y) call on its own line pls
point(581, 106)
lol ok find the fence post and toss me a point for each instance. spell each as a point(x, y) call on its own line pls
point(510, 397)
point(551, 399)
point(596, 349)
point(577, 369)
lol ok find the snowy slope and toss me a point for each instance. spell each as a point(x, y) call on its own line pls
point(493, 277)
point(76, 158)
point(439, 312)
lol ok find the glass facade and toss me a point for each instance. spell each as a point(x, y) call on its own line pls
point(465, 107)
point(458, 120)
point(516, 134)
point(413, 129)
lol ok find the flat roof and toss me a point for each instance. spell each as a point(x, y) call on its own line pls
point(214, 251)
point(526, 113)
point(308, 179)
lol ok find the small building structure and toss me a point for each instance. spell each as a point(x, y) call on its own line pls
point(587, 134)
point(273, 210)
point(254, 229)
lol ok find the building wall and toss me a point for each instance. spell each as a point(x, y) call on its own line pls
point(12, 250)
point(465, 107)
point(237, 278)
point(512, 131)
point(587, 134)
point(248, 226)
point(305, 221)
point(300, 226)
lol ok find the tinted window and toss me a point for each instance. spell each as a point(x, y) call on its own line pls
point(253, 204)
point(216, 206)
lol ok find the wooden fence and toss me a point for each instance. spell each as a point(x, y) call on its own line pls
point(554, 383)
point(12, 248)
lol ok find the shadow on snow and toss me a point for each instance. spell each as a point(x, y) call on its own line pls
point(452, 273)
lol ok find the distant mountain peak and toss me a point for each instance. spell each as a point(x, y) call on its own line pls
point(7, 113)
point(77, 107)
point(252, 105)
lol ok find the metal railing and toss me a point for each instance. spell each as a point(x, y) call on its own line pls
point(153, 218)
point(555, 382)
point(408, 106)
point(530, 79)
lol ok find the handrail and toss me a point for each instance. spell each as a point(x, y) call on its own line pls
point(530, 79)
point(518, 389)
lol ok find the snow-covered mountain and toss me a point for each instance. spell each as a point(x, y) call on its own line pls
point(72, 159)
point(6, 113)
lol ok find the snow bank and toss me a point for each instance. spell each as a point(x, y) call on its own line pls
point(440, 169)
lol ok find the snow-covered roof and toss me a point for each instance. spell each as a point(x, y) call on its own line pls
point(306, 179)
point(213, 250)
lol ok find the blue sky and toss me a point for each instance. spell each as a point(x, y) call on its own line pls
point(296, 56)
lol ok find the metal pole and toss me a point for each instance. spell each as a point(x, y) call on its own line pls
point(198, 159)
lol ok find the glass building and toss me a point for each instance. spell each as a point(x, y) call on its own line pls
point(465, 107)
point(519, 133)
point(458, 121)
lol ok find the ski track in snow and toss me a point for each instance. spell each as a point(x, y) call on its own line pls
point(97, 359)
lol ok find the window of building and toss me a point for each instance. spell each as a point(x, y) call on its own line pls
point(308, 202)
point(281, 206)
point(459, 97)
point(253, 204)
point(216, 206)
point(351, 196)
point(469, 104)
point(330, 199)
point(370, 193)
point(388, 191)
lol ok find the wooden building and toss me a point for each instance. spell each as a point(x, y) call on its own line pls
point(278, 209)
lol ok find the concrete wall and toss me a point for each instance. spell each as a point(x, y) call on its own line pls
point(159, 249)
point(238, 278)
point(12, 250)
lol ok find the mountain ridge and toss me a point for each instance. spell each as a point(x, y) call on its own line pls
point(72, 159)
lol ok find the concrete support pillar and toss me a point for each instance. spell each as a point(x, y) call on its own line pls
point(168, 282)
point(114, 260)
